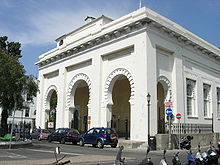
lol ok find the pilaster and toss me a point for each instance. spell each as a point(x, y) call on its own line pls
point(40, 106)
point(178, 93)
point(96, 82)
point(61, 98)
point(152, 84)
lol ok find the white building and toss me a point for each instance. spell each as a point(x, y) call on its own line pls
point(23, 118)
point(102, 72)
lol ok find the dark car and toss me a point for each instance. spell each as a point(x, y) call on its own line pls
point(63, 135)
point(40, 134)
point(99, 137)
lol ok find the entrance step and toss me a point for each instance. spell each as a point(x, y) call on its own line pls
point(143, 146)
point(130, 144)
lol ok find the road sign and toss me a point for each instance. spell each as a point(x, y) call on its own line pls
point(50, 125)
point(178, 116)
point(169, 103)
point(169, 111)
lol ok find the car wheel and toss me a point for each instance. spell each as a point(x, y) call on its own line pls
point(62, 141)
point(49, 139)
point(114, 145)
point(100, 144)
point(81, 142)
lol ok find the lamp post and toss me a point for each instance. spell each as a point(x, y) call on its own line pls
point(148, 107)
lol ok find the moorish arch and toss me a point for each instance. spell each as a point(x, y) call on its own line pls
point(110, 84)
point(48, 94)
point(72, 88)
point(78, 101)
point(119, 96)
point(164, 94)
point(167, 86)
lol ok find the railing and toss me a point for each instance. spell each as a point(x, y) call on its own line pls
point(190, 128)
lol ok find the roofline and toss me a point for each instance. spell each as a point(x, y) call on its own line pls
point(97, 19)
point(131, 19)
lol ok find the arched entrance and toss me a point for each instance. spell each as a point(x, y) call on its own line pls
point(163, 95)
point(51, 112)
point(78, 101)
point(120, 118)
point(81, 98)
point(76, 120)
point(160, 108)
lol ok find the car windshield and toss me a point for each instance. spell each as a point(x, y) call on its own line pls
point(73, 131)
point(108, 131)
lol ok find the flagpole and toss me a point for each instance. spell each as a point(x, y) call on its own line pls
point(140, 4)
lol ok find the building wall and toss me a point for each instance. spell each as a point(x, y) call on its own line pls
point(144, 56)
point(21, 117)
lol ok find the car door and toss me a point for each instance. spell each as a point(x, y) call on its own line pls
point(88, 136)
point(55, 135)
point(60, 134)
point(95, 135)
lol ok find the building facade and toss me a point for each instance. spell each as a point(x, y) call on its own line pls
point(101, 73)
point(24, 118)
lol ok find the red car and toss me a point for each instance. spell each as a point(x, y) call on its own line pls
point(40, 134)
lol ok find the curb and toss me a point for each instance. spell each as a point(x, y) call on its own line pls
point(15, 144)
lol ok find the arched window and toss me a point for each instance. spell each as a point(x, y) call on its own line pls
point(190, 92)
point(206, 96)
point(218, 102)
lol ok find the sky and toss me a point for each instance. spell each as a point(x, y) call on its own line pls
point(37, 23)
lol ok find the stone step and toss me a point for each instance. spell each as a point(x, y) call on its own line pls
point(143, 146)
point(130, 144)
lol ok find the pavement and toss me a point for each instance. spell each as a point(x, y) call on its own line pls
point(14, 156)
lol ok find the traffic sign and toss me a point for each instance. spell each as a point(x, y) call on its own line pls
point(169, 111)
point(178, 116)
point(168, 103)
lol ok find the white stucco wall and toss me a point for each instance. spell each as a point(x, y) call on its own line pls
point(138, 50)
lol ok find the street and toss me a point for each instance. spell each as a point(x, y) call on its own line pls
point(42, 152)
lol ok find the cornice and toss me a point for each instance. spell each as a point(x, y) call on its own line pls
point(162, 26)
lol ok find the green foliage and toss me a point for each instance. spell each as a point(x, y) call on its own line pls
point(14, 84)
point(53, 105)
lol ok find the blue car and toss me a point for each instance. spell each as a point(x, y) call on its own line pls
point(64, 135)
point(99, 137)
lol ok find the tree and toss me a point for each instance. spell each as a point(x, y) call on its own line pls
point(14, 84)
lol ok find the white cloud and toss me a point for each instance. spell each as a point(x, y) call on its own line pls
point(43, 26)
point(47, 26)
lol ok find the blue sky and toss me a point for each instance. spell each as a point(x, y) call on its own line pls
point(37, 23)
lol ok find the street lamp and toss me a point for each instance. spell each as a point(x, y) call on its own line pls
point(148, 105)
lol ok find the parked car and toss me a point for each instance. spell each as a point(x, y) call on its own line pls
point(63, 135)
point(99, 137)
point(40, 134)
